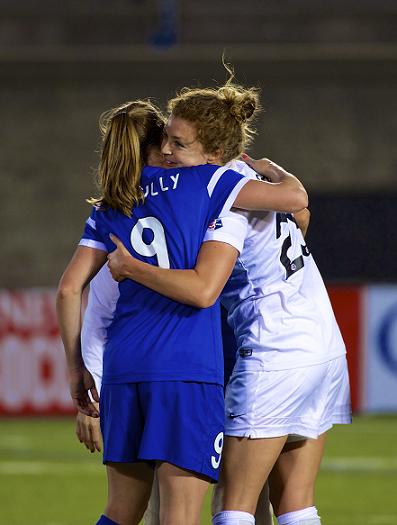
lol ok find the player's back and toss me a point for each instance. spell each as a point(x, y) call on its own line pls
point(276, 298)
point(152, 337)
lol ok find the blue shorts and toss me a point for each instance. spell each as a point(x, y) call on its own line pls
point(173, 421)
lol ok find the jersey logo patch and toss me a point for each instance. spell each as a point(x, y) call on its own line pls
point(215, 224)
point(262, 177)
point(245, 352)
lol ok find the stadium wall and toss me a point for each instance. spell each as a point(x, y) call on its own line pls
point(33, 376)
point(328, 120)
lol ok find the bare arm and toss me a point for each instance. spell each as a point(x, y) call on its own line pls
point(84, 265)
point(198, 287)
point(284, 192)
point(302, 219)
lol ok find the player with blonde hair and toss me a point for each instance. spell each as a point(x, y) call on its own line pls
point(290, 382)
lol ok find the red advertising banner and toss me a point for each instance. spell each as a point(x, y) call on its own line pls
point(33, 378)
point(347, 303)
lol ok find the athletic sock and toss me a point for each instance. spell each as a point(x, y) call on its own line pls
point(306, 516)
point(104, 520)
point(233, 517)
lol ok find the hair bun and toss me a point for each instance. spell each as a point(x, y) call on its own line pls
point(242, 103)
point(248, 108)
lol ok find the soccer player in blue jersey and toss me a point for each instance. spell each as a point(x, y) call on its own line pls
point(290, 382)
point(162, 361)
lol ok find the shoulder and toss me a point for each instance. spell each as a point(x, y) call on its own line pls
point(212, 173)
point(101, 217)
point(199, 176)
point(101, 211)
point(242, 168)
point(205, 170)
point(150, 172)
point(95, 215)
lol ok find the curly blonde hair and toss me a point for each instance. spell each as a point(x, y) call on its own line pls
point(127, 132)
point(222, 116)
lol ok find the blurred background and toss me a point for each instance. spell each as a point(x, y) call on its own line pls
point(328, 75)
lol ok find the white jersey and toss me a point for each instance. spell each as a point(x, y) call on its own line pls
point(276, 299)
point(102, 299)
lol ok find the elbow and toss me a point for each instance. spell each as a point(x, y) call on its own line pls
point(204, 303)
point(300, 200)
point(67, 290)
point(305, 199)
point(204, 298)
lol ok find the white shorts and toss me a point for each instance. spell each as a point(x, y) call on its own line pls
point(301, 402)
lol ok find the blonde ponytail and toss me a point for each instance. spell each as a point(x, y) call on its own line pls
point(127, 132)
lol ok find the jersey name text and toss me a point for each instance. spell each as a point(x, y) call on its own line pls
point(154, 188)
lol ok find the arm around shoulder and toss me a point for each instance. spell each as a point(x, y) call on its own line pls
point(199, 287)
point(302, 219)
point(284, 192)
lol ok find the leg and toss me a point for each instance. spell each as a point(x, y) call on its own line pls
point(263, 514)
point(152, 514)
point(129, 486)
point(292, 481)
point(186, 441)
point(181, 495)
point(246, 465)
point(129, 480)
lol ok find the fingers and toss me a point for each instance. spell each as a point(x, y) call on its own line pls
point(120, 248)
point(117, 259)
point(88, 432)
point(268, 170)
point(82, 430)
point(85, 406)
point(93, 439)
point(94, 393)
point(247, 159)
point(83, 409)
point(79, 427)
point(256, 163)
point(114, 270)
point(114, 266)
point(116, 240)
point(89, 443)
point(79, 387)
point(95, 434)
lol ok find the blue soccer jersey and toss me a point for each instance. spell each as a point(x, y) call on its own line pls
point(151, 337)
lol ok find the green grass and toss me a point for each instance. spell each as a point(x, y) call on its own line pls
point(48, 478)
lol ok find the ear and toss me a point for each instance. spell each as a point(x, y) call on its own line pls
point(216, 157)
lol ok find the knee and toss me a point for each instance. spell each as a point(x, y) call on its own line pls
point(123, 513)
point(292, 497)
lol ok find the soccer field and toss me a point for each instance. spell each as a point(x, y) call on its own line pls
point(48, 478)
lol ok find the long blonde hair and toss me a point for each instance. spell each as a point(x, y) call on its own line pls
point(127, 132)
point(222, 116)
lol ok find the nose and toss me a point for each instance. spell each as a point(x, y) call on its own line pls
point(165, 146)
